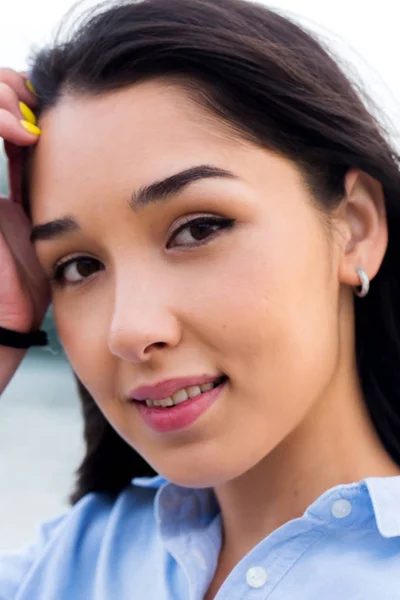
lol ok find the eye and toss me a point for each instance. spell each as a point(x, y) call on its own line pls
point(76, 270)
point(198, 231)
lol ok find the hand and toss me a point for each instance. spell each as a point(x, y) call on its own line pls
point(24, 290)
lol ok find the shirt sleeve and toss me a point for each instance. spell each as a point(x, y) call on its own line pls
point(14, 566)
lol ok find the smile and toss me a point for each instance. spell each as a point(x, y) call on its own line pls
point(184, 394)
point(172, 414)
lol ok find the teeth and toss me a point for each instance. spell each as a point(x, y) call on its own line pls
point(164, 402)
point(206, 387)
point(181, 395)
point(193, 391)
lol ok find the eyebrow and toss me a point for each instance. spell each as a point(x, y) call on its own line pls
point(53, 229)
point(164, 189)
point(159, 191)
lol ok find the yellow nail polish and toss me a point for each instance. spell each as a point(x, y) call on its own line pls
point(30, 128)
point(30, 87)
point(27, 113)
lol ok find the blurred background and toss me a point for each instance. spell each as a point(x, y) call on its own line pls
point(41, 440)
point(40, 422)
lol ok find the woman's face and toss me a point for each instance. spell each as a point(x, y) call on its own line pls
point(249, 294)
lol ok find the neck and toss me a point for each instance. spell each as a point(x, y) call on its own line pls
point(335, 444)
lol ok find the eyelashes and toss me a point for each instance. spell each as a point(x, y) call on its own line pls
point(75, 270)
point(201, 228)
point(190, 234)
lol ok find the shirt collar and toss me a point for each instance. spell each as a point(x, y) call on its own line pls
point(149, 482)
point(384, 494)
point(385, 497)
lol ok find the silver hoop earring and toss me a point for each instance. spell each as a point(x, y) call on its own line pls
point(362, 291)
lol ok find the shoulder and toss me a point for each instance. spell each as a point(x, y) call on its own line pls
point(98, 517)
point(75, 539)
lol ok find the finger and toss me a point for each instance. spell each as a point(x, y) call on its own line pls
point(15, 158)
point(15, 153)
point(10, 101)
point(11, 150)
point(12, 130)
point(18, 83)
point(29, 85)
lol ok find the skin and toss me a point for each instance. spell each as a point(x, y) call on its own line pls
point(24, 294)
point(269, 302)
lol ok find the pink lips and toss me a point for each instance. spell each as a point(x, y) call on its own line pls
point(164, 389)
point(173, 418)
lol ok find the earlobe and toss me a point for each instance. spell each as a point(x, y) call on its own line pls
point(364, 219)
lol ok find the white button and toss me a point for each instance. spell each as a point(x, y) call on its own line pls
point(256, 577)
point(341, 509)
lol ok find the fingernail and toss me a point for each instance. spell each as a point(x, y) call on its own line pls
point(30, 128)
point(27, 113)
point(30, 87)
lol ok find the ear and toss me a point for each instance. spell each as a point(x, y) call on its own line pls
point(363, 222)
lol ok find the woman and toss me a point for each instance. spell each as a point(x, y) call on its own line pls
point(216, 215)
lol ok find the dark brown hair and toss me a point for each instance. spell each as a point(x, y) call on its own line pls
point(276, 85)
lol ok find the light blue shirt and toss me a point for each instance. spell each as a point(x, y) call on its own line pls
point(159, 541)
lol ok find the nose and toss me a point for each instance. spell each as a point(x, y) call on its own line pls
point(142, 322)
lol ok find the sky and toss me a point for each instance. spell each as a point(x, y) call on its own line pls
point(363, 34)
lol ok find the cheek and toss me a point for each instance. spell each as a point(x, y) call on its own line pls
point(271, 291)
point(82, 327)
point(267, 313)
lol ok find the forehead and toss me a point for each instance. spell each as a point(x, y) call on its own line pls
point(123, 138)
point(98, 149)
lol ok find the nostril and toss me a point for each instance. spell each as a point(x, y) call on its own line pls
point(153, 346)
